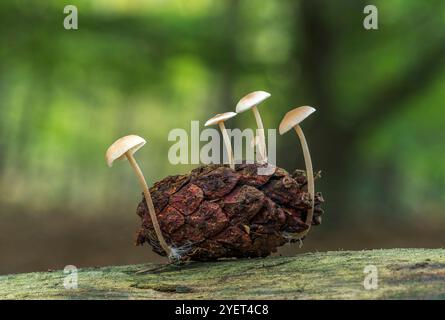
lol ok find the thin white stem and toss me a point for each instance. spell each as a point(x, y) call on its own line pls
point(309, 174)
point(262, 143)
point(151, 208)
point(227, 143)
point(256, 146)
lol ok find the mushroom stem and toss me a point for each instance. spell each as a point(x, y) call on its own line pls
point(226, 139)
point(309, 174)
point(151, 208)
point(262, 143)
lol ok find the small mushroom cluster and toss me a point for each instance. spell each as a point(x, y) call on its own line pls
point(125, 147)
point(292, 119)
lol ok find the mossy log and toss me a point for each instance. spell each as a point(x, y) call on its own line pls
point(402, 274)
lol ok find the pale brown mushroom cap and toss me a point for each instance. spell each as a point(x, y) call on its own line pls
point(251, 100)
point(294, 117)
point(117, 150)
point(220, 118)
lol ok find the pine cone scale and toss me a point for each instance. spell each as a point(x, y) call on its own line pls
point(216, 212)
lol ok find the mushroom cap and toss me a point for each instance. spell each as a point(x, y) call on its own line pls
point(294, 117)
point(221, 117)
point(117, 150)
point(251, 100)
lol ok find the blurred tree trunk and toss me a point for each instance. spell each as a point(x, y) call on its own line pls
point(335, 144)
point(228, 68)
point(333, 147)
point(4, 127)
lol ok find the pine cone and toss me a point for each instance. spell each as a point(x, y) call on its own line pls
point(216, 212)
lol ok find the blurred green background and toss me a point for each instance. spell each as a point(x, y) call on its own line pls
point(148, 66)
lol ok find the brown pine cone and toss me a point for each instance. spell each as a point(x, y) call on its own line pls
point(216, 212)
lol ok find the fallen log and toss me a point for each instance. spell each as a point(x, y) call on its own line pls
point(402, 274)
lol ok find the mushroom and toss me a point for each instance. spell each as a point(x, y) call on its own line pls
point(292, 119)
point(254, 144)
point(219, 119)
point(251, 101)
point(122, 149)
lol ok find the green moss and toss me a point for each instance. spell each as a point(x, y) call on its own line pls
point(403, 274)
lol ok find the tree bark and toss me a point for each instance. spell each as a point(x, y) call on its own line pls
point(402, 274)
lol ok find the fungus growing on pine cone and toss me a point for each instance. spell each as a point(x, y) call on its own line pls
point(217, 212)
